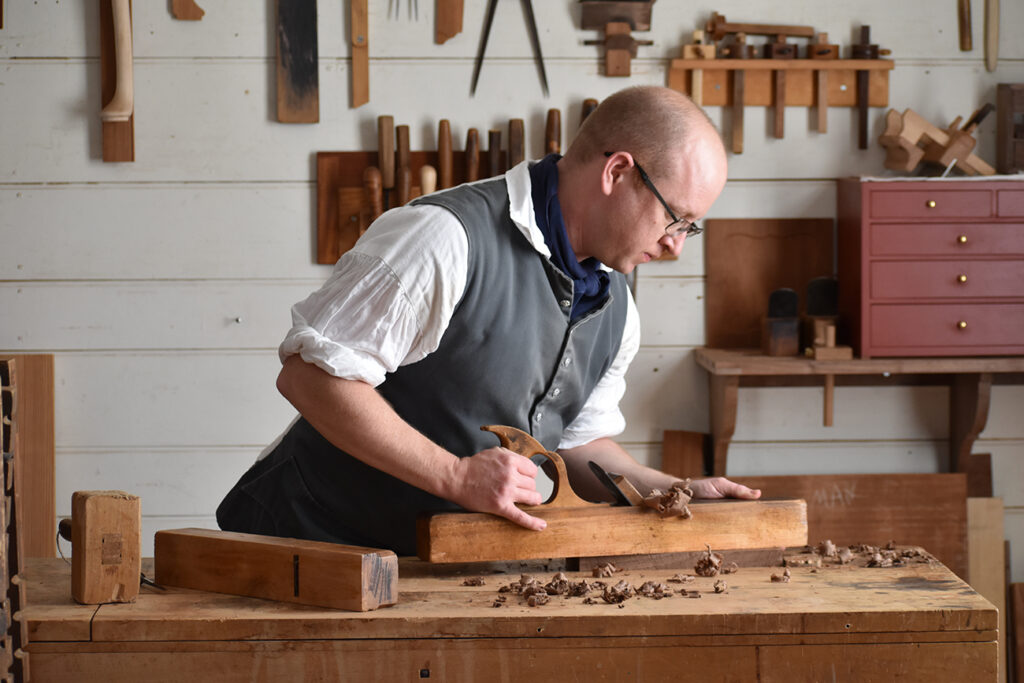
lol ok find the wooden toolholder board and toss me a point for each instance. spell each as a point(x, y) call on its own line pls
point(341, 201)
point(800, 90)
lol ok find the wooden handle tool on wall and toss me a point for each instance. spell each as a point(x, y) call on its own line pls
point(428, 179)
point(403, 174)
point(494, 153)
point(553, 132)
point(386, 154)
point(472, 155)
point(298, 62)
point(373, 190)
point(738, 93)
point(117, 81)
point(589, 105)
point(516, 142)
point(448, 21)
point(444, 153)
point(360, 30)
point(991, 34)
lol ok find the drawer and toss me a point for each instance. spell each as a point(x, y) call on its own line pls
point(946, 279)
point(946, 239)
point(1011, 202)
point(931, 204)
point(930, 325)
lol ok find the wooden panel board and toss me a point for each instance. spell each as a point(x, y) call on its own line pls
point(34, 446)
point(745, 260)
point(928, 510)
point(298, 74)
point(305, 572)
point(1017, 630)
point(986, 568)
point(606, 530)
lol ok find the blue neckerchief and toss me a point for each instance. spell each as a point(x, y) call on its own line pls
point(590, 282)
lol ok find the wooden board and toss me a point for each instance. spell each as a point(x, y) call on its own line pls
point(745, 260)
point(1017, 630)
point(32, 436)
point(298, 76)
point(986, 568)
point(305, 572)
point(683, 453)
point(928, 510)
point(606, 530)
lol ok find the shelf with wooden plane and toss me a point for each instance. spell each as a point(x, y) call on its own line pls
point(969, 379)
point(799, 85)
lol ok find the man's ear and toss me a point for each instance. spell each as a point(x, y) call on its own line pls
point(614, 172)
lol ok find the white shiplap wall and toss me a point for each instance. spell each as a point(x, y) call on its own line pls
point(163, 286)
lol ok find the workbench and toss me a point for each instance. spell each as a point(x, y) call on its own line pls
point(969, 379)
point(916, 623)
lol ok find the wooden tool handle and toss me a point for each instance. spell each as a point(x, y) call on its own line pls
point(428, 179)
point(403, 185)
point(553, 132)
point(444, 153)
point(386, 150)
point(991, 34)
point(518, 441)
point(402, 143)
point(448, 21)
point(122, 104)
point(516, 144)
point(964, 24)
point(494, 153)
point(472, 155)
point(360, 39)
point(589, 105)
point(372, 188)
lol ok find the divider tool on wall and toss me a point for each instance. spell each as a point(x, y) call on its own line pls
point(782, 79)
point(354, 188)
point(617, 19)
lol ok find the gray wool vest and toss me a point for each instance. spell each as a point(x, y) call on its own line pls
point(509, 356)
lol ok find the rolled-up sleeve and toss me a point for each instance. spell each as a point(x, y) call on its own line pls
point(389, 299)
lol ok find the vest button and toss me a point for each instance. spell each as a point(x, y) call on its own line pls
point(567, 362)
point(565, 303)
point(556, 391)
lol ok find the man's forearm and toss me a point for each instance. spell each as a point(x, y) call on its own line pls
point(612, 458)
point(355, 418)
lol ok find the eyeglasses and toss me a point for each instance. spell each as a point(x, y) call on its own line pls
point(678, 226)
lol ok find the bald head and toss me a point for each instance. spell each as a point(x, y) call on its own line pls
point(644, 121)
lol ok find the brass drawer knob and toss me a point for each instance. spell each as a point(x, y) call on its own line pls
point(962, 325)
point(962, 239)
point(961, 278)
point(930, 203)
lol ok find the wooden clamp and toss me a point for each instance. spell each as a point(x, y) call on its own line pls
point(779, 50)
point(619, 48)
point(717, 28)
point(698, 49)
point(596, 14)
point(577, 528)
point(910, 139)
point(821, 49)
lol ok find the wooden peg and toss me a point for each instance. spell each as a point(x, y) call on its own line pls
point(428, 179)
point(403, 185)
point(589, 105)
point(553, 132)
point(516, 143)
point(494, 153)
point(821, 49)
point(698, 50)
point(373, 192)
point(444, 153)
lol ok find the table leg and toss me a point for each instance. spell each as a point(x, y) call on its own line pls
point(969, 396)
point(724, 392)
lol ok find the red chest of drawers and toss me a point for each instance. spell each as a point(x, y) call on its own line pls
point(931, 267)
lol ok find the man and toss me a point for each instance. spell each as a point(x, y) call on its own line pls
point(496, 302)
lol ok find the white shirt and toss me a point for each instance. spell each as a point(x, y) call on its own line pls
point(391, 297)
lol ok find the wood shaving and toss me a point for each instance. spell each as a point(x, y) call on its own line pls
point(781, 579)
point(709, 563)
point(654, 589)
point(844, 556)
point(604, 570)
point(682, 578)
point(537, 599)
point(618, 593)
point(827, 549)
point(721, 586)
point(583, 587)
point(671, 503)
point(473, 581)
point(730, 568)
point(559, 585)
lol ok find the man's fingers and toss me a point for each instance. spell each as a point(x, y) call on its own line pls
point(524, 520)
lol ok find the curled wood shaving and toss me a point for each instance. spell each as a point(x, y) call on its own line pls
point(827, 549)
point(604, 570)
point(673, 502)
point(679, 578)
point(721, 586)
point(781, 579)
point(654, 589)
point(709, 563)
point(618, 593)
point(473, 581)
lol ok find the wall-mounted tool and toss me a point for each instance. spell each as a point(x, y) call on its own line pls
point(428, 179)
point(386, 155)
point(589, 105)
point(779, 50)
point(516, 142)
point(864, 50)
point(494, 166)
point(738, 50)
point(117, 82)
point(1010, 127)
point(186, 10)
point(448, 21)
point(991, 34)
point(298, 77)
point(531, 25)
point(553, 132)
point(444, 153)
point(963, 16)
point(698, 49)
point(359, 29)
point(821, 49)
point(472, 155)
point(910, 139)
point(617, 19)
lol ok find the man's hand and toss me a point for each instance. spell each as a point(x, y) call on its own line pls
point(720, 487)
point(493, 481)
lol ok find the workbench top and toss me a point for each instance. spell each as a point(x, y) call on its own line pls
point(887, 609)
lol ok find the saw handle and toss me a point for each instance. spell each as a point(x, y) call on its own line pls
point(518, 441)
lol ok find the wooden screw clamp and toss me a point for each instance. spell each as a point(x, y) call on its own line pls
point(717, 28)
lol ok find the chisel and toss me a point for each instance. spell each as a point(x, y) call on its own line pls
point(516, 149)
point(386, 155)
point(472, 155)
point(494, 153)
point(553, 132)
point(444, 153)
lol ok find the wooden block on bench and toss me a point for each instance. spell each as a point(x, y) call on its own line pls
point(106, 546)
point(287, 569)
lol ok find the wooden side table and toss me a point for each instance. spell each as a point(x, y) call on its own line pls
point(969, 379)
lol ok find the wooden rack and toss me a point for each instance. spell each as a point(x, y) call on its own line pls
point(800, 81)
